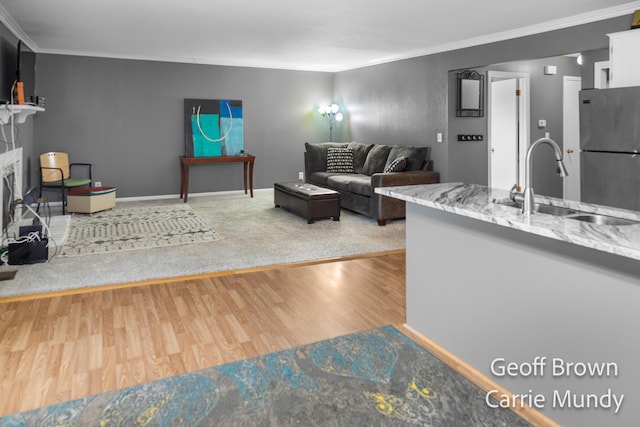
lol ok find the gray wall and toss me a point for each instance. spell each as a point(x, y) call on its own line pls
point(126, 118)
point(408, 101)
point(545, 103)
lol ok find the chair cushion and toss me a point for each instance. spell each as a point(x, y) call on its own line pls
point(68, 183)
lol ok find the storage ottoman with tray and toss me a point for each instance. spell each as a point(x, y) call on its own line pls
point(91, 199)
point(307, 200)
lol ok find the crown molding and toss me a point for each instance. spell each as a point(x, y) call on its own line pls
point(16, 29)
point(558, 24)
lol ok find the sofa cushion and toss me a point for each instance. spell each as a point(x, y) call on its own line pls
point(416, 156)
point(319, 178)
point(376, 159)
point(360, 152)
point(339, 182)
point(340, 160)
point(360, 184)
point(397, 165)
point(317, 154)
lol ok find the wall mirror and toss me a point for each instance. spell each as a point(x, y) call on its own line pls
point(470, 94)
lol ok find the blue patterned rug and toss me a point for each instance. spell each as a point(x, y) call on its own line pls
point(374, 378)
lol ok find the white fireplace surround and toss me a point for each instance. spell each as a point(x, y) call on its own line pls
point(11, 163)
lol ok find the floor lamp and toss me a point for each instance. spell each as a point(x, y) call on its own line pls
point(332, 114)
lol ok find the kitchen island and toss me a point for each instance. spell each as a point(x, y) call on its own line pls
point(547, 306)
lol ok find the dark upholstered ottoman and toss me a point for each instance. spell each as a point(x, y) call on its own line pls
point(307, 200)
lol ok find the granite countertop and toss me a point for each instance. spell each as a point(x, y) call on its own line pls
point(482, 203)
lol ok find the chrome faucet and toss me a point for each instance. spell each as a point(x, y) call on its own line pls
point(528, 202)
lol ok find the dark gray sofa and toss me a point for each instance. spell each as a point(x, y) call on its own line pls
point(369, 164)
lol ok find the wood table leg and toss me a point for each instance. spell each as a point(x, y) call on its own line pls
point(251, 177)
point(245, 176)
point(181, 179)
point(185, 180)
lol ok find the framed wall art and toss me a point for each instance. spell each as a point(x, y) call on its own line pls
point(470, 88)
point(213, 127)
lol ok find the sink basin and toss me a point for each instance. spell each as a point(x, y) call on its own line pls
point(603, 219)
point(554, 210)
point(574, 214)
point(545, 209)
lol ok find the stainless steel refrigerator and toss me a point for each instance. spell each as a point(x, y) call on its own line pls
point(610, 147)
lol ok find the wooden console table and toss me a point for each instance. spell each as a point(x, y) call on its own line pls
point(185, 162)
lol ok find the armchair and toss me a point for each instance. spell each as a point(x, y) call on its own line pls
point(55, 173)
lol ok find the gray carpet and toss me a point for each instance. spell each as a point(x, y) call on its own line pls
point(253, 234)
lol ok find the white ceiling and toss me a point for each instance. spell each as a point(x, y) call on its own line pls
point(329, 35)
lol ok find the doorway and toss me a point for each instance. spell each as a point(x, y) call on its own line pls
point(508, 127)
point(601, 72)
point(571, 135)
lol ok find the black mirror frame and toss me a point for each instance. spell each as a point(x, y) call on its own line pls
point(470, 112)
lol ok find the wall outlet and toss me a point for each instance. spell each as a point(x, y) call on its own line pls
point(97, 184)
point(301, 176)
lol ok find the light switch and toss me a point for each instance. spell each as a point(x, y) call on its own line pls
point(439, 137)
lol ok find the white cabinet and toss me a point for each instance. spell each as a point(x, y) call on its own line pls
point(624, 58)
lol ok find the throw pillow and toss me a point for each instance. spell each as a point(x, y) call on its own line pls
point(340, 160)
point(316, 155)
point(376, 159)
point(397, 165)
point(360, 152)
point(416, 156)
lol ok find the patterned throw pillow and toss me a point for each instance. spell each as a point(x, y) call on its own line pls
point(340, 160)
point(397, 165)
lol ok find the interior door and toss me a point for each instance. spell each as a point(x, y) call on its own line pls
point(571, 135)
point(503, 134)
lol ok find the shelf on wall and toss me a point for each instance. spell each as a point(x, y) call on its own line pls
point(20, 111)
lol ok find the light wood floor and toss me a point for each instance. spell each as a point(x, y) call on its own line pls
point(59, 348)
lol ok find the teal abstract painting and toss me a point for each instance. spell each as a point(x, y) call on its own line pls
point(213, 127)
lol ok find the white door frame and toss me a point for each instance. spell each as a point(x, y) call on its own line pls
point(571, 150)
point(523, 118)
point(600, 68)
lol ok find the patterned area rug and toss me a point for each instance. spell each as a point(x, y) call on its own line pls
point(135, 228)
point(374, 378)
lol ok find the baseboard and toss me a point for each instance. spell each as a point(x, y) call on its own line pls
point(191, 195)
point(175, 196)
point(485, 383)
